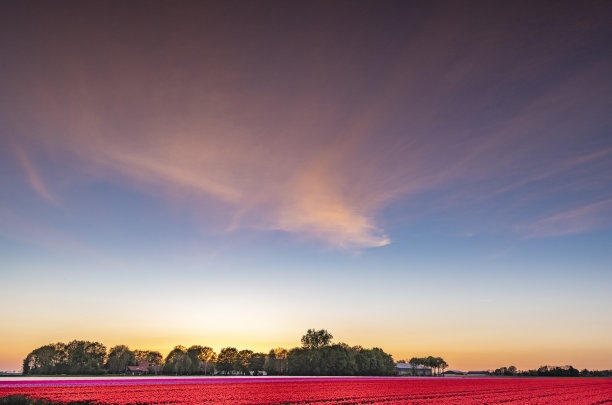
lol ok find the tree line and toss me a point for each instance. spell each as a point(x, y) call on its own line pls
point(436, 364)
point(551, 371)
point(316, 356)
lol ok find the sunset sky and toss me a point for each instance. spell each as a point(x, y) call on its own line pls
point(431, 178)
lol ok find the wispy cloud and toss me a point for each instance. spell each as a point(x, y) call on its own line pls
point(555, 169)
point(34, 178)
point(321, 143)
point(576, 220)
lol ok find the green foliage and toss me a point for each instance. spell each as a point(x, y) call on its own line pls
point(76, 357)
point(373, 362)
point(24, 400)
point(437, 364)
point(315, 339)
point(257, 362)
point(339, 359)
point(552, 371)
point(317, 356)
point(14, 400)
point(43, 360)
point(226, 360)
point(276, 362)
point(155, 360)
point(119, 358)
point(184, 365)
point(242, 361)
point(202, 357)
point(178, 362)
point(85, 357)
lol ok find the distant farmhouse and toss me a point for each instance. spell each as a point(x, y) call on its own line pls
point(469, 373)
point(140, 369)
point(407, 369)
point(454, 372)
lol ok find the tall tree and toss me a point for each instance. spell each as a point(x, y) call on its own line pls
point(415, 362)
point(85, 357)
point(280, 356)
point(314, 339)
point(201, 357)
point(442, 365)
point(381, 363)
point(226, 359)
point(119, 358)
point(42, 360)
point(337, 359)
point(257, 362)
point(155, 359)
point(174, 363)
point(432, 363)
point(208, 356)
point(242, 361)
point(276, 361)
point(270, 364)
point(184, 364)
point(299, 361)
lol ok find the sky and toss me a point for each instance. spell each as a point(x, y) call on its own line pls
point(431, 178)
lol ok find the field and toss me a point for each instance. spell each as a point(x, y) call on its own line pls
point(388, 391)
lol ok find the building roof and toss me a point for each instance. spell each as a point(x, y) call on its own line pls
point(142, 366)
point(408, 366)
point(137, 368)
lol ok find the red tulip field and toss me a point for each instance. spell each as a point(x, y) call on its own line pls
point(356, 390)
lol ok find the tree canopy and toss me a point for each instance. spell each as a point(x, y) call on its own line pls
point(315, 339)
point(76, 357)
point(119, 358)
point(226, 360)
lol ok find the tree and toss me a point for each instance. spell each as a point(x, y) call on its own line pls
point(276, 361)
point(60, 358)
point(155, 359)
point(175, 364)
point(340, 359)
point(442, 365)
point(184, 364)
point(430, 362)
point(270, 364)
point(26, 364)
point(85, 357)
point(257, 362)
point(43, 360)
point(201, 357)
point(381, 364)
point(280, 356)
point(337, 359)
point(299, 361)
point(119, 358)
point(314, 339)
point(208, 357)
point(226, 359)
point(242, 361)
point(435, 363)
point(415, 362)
